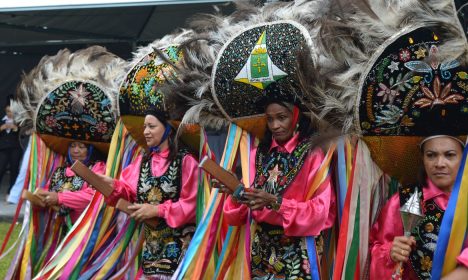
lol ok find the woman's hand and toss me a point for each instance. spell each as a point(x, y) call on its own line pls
point(401, 248)
point(258, 199)
point(49, 198)
point(222, 188)
point(143, 211)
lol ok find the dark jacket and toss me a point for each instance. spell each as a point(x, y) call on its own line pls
point(9, 140)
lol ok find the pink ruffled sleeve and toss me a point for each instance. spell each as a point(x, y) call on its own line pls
point(183, 211)
point(463, 258)
point(310, 217)
point(387, 226)
point(235, 213)
point(125, 186)
point(79, 200)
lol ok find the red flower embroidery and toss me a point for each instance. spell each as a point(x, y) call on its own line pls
point(101, 127)
point(405, 55)
point(50, 121)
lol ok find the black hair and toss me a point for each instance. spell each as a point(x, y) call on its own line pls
point(163, 117)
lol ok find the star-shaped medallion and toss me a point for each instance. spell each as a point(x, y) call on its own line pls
point(274, 173)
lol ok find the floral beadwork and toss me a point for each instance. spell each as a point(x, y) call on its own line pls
point(77, 110)
point(163, 245)
point(425, 233)
point(409, 85)
point(140, 89)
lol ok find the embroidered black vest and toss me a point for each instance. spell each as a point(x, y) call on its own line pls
point(426, 233)
point(60, 182)
point(164, 246)
point(275, 255)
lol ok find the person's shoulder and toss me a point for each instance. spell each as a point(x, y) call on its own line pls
point(188, 155)
point(100, 163)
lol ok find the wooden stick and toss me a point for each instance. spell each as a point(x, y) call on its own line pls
point(89, 176)
point(123, 204)
point(224, 176)
point(34, 199)
point(100, 185)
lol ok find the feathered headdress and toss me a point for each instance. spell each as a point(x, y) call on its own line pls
point(381, 78)
point(216, 85)
point(71, 96)
point(151, 68)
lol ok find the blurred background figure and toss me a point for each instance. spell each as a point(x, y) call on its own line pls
point(10, 149)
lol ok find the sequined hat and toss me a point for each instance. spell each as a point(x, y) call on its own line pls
point(257, 65)
point(411, 91)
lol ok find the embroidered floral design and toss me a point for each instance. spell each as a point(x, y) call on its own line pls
point(172, 250)
point(277, 256)
point(426, 235)
point(438, 97)
point(393, 66)
point(50, 121)
point(78, 97)
point(387, 93)
point(276, 170)
point(426, 263)
point(163, 245)
point(410, 83)
point(405, 55)
point(101, 127)
point(420, 53)
point(77, 110)
point(154, 196)
point(140, 88)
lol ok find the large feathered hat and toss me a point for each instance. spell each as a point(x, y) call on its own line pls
point(234, 64)
point(71, 97)
point(258, 66)
point(142, 88)
point(399, 79)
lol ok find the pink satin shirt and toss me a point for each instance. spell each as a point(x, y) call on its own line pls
point(176, 213)
point(79, 200)
point(298, 217)
point(389, 225)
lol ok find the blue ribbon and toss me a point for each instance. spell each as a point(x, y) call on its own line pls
point(342, 178)
point(203, 227)
point(312, 253)
point(447, 221)
point(156, 148)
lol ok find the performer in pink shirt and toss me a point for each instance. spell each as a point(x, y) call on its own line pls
point(285, 165)
point(162, 184)
point(69, 191)
point(441, 157)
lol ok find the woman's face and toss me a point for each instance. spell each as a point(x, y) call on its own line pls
point(78, 151)
point(154, 130)
point(8, 112)
point(279, 122)
point(441, 157)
